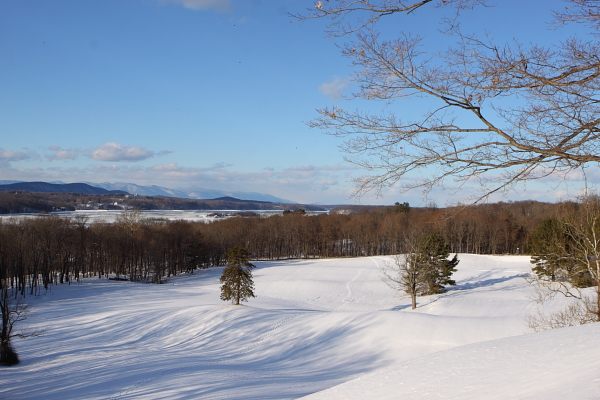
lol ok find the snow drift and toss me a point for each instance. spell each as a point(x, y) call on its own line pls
point(318, 328)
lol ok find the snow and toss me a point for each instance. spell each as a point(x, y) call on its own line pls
point(110, 216)
point(325, 329)
point(561, 364)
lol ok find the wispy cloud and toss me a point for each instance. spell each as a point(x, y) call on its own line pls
point(307, 167)
point(62, 154)
point(340, 167)
point(9, 155)
point(221, 6)
point(318, 174)
point(176, 167)
point(334, 89)
point(328, 182)
point(113, 151)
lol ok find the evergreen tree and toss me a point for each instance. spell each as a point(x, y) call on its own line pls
point(567, 250)
point(551, 249)
point(237, 276)
point(557, 254)
point(401, 208)
point(423, 270)
point(433, 255)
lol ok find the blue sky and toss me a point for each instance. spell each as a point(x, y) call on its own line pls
point(189, 93)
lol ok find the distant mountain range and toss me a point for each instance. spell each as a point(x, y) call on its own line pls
point(188, 193)
point(46, 187)
point(132, 188)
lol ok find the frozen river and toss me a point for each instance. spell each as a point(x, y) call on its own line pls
point(171, 215)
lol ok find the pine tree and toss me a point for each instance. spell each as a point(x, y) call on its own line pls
point(551, 249)
point(557, 253)
point(237, 276)
point(423, 270)
point(433, 255)
point(567, 250)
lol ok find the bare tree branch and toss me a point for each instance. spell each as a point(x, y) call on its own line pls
point(499, 116)
point(350, 16)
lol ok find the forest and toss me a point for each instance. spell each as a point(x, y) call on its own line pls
point(38, 252)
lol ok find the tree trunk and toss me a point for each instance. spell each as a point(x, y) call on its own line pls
point(598, 300)
point(7, 355)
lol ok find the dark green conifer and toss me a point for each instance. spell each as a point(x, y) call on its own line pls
point(557, 255)
point(550, 249)
point(433, 255)
point(237, 276)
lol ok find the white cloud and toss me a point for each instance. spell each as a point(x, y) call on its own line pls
point(175, 167)
point(164, 167)
point(340, 167)
point(222, 6)
point(107, 168)
point(307, 167)
point(117, 152)
point(328, 182)
point(8, 155)
point(62, 154)
point(334, 89)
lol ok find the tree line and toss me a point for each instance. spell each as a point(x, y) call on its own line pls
point(38, 252)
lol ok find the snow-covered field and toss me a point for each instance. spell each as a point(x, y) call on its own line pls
point(326, 329)
point(110, 216)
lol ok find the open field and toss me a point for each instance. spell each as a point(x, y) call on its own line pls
point(315, 324)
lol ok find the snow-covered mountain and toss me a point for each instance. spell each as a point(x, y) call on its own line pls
point(190, 193)
point(132, 188)
point(186, 193)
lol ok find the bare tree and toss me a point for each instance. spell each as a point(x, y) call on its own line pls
point(584, 230)
point(12, 312)
point(407, 275)
point(422, 270)
point(351, 16)
point(573, 314)
point(501, 114)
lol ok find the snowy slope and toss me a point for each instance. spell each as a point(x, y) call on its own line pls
point(315, 324)
point(560, 364)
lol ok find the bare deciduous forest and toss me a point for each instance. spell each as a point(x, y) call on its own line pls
point(38, 252)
